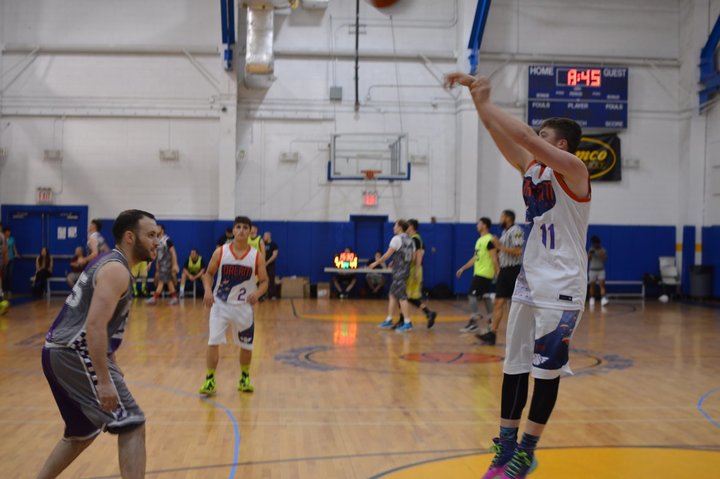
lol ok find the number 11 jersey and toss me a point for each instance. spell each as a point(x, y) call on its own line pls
point(554, 268)
point(236, 275)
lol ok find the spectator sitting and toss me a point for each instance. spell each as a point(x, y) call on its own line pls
point(345, 282)
point(193, 269)
point(76, 267)
point(43, 270)
point(376, 281)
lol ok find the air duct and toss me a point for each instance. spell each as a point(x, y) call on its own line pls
point(314, 4)
point(259, 57)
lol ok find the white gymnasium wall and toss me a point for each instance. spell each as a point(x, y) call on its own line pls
point(112, 90)
point(121, 108)
point(699, 172)
point(612, 32)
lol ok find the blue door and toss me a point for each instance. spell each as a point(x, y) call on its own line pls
point(59, 228)
point(369, 235)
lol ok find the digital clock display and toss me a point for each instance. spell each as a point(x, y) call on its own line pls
point(595, 97)
point(578, 77)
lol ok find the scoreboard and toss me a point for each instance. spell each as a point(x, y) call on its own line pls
point(595, 97)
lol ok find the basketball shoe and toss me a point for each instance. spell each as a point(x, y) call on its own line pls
point(431, 319)
point(470, 326)
point(520, 465)
point(404, 328)
point(244, 384)
point(504, 451)
point(387, 324)
point(488, 338)
point(208, 387)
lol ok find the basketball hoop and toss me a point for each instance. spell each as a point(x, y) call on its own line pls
point(370, 174)
point(370, 195)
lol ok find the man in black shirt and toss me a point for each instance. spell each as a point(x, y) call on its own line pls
point(271, 254)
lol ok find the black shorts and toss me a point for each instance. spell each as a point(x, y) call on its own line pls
point(480, 286)
point(506, 281)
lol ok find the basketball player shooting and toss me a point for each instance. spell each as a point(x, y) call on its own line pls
point(550, 290)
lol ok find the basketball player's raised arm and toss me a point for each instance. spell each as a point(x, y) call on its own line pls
point(207, 278)
point(262, 277)
point(517, 156)
point(111, 282)
point(567, 164)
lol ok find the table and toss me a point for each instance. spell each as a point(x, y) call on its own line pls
point(357, 270)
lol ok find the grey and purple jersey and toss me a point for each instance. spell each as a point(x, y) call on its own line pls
point(402, 258)
point(69, 327)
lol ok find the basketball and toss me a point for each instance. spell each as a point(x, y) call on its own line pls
point(383, 3)
point(4, 306)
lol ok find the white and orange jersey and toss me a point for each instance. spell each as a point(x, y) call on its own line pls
point(236, 275)
point(554, 268)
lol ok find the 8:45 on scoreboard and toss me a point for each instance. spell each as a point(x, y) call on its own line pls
point(595, 97)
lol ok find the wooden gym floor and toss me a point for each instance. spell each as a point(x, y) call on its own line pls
point(335, 397)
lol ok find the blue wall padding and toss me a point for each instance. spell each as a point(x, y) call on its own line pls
point(711, 254)
point(307, 247)
point(634, 250)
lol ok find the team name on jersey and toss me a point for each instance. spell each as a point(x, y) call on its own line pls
point(237, 272)
point(539, 197)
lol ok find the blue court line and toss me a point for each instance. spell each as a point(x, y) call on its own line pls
point(228, 412)
point(703, 411)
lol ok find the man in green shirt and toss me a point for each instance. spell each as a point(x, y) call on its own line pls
point(255, 240)
point(485, 265)
point(193, 269)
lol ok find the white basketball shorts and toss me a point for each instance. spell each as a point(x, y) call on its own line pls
point(240, 319)
point(538, 340)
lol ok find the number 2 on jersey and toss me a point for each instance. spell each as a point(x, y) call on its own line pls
point(241, 294)
point(551, 230)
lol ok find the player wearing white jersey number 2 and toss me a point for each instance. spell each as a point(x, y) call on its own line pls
point(241, 281)
point(550, 290)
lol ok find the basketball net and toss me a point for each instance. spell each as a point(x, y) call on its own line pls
point(370, 194)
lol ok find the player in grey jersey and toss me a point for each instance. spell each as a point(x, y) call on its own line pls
point(78, 357)
point(402, 250)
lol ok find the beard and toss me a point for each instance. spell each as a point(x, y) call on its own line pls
point(141, 253)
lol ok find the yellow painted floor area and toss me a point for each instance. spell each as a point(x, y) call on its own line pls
point(585, 463)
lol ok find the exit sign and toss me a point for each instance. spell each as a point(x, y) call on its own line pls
point(44, 196)
point(370, 199)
